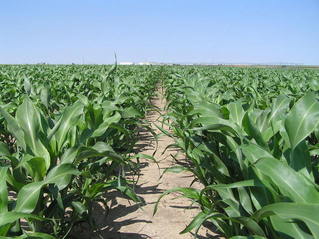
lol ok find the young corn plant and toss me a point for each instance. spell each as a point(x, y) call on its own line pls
point(57, 165)
point(65, 146)
point(258, 166)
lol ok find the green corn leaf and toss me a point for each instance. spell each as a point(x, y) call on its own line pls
point(175, 169)
point(197, 221)
point(236, 112)
point(206, 109)
point(10, 217)
point(3, 190)
point(300, 160)
point(246, 183)
point(4, 151)
point(131, 112)
point(105, 125)
point(251, 225)
point(14, 128)
point(28, 197)
point(252, 131)
point(279, 107)
point(308, 213)
point(98, 150)
point(27, 86)
point(69, 155)
point(287, 228)
point(61, 175)
point(292, 184)
point(29, 119)
point(302, 119)
point(127, 191)
point(68, 119)
point(217, 124)
point(29, 194)
point(79, 207)
point(36, 166)
point(190, 193)
point(45, 96)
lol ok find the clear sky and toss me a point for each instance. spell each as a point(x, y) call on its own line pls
point(223, 31)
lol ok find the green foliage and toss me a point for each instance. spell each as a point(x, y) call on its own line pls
point(251, 137)
point(68, 134)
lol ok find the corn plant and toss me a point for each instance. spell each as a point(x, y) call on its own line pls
point(256, 157)
point(65, 146)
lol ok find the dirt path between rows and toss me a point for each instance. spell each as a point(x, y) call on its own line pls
point(127, 220)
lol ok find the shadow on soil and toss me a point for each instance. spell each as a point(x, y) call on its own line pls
point(109, 221)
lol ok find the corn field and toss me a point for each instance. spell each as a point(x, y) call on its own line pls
point(250, 136)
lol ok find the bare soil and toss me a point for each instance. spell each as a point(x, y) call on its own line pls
point(127, 220)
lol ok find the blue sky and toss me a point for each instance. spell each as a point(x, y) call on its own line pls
point(90, 31)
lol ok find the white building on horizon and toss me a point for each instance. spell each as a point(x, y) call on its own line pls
point(145, 63)
point(126, 63)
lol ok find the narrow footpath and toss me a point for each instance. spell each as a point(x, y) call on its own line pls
point(127, 220)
